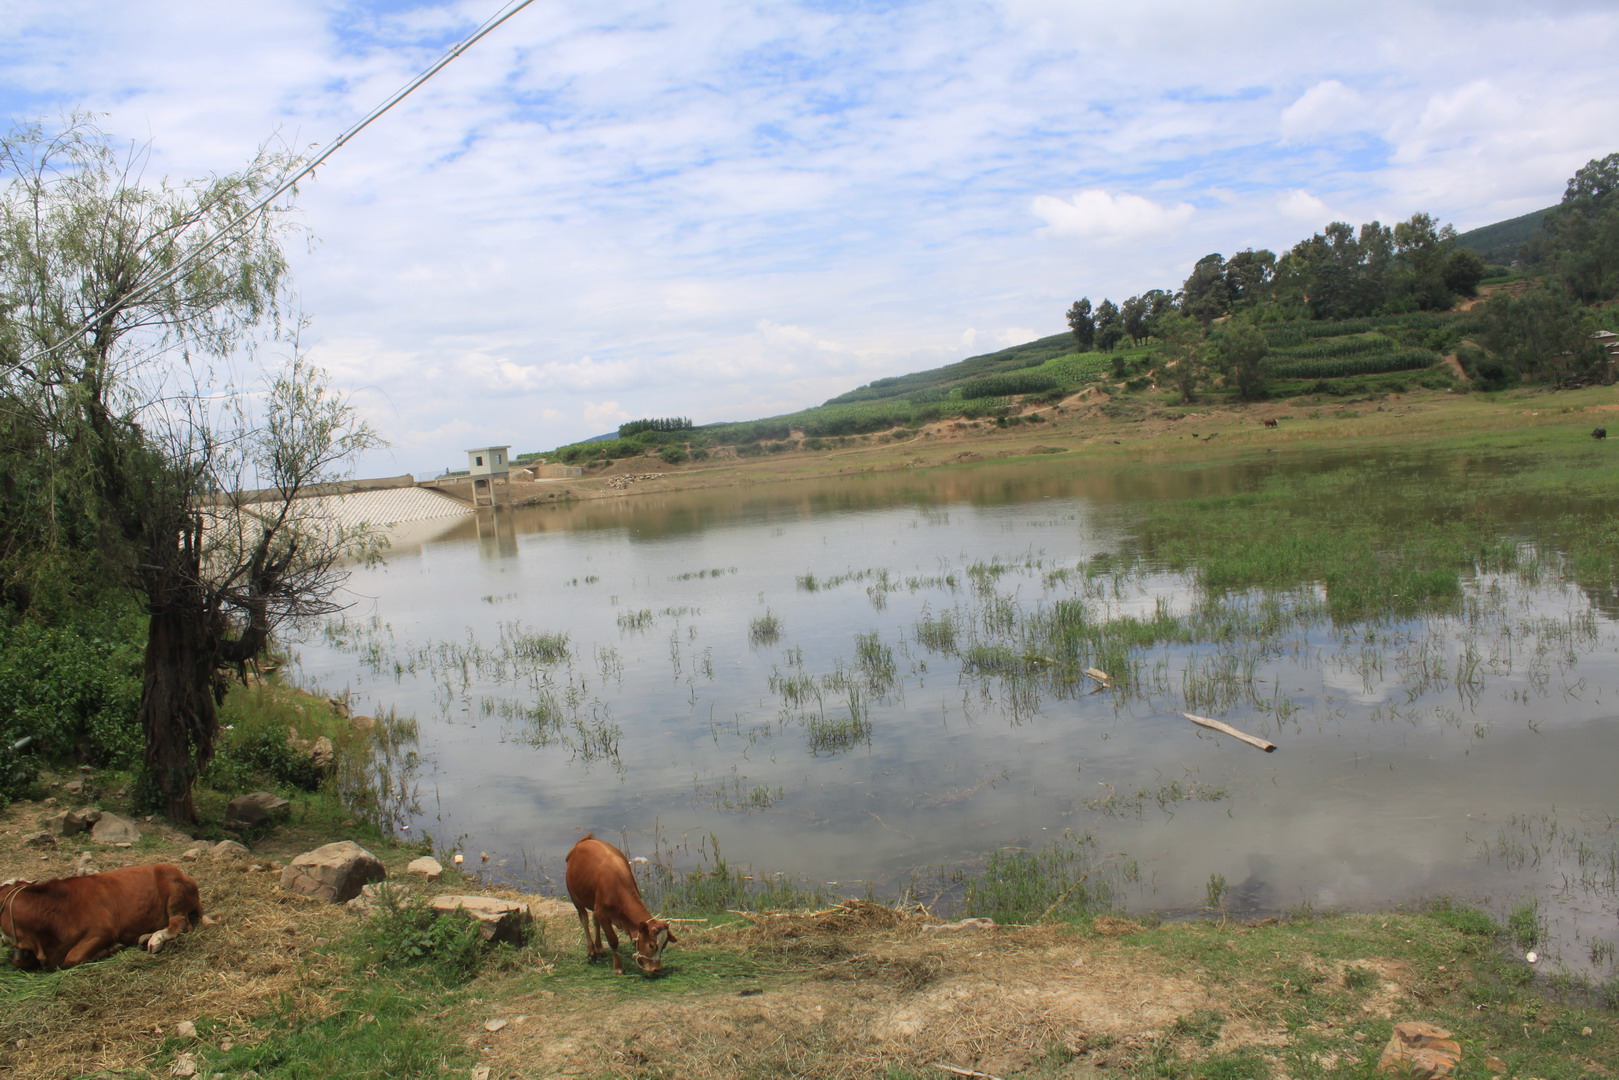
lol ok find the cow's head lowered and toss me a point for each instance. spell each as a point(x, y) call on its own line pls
point(650, 936)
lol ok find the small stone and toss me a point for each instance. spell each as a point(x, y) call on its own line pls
point(186, 1029)
point(1586, 1032)
point(1419, 1051)
point(184, 1065)
point(229, 849)
point(494, 1025)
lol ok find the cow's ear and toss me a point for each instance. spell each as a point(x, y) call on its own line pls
point(669, 936)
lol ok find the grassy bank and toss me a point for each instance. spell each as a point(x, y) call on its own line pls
point(1146, 430)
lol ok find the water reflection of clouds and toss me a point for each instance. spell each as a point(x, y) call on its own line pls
point(1358, 684)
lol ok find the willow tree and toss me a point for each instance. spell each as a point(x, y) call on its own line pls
point(126, 309)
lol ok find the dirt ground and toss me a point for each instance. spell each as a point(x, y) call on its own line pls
point(840, 992)
point(851, 987)
point(1088, 422)
point(860, 986)
point(857, 990)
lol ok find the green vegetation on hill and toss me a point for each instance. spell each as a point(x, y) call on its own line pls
point(1500, 244)
point(914, 386)
point(1348, 310)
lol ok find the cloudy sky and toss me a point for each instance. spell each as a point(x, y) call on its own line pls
point(727, 210)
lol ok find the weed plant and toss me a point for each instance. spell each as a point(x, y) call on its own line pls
point(764, 630)
point(1063, 879)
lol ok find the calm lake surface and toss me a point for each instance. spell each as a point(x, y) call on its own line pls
point(790, 673)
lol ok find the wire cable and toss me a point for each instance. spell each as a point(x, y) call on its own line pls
point(223, 232)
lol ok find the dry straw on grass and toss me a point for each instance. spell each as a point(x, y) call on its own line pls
point(117, 1013)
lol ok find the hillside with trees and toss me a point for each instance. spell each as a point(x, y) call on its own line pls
point(1349, 310)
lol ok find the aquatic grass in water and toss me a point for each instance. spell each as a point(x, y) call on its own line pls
point(635, 621)
point(764, 630)
point(876, 662)
point(936, 633)
point(714, 886)
point(837, 734)
point(1064, 879)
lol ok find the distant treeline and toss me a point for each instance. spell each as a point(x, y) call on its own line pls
point(668, 423)
point(1348, 310)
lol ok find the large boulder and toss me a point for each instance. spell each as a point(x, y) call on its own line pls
point(335, 872)
point(323, 756)
point(112, 829)
point(72, 822)
point(498, 920)
point(255, 808)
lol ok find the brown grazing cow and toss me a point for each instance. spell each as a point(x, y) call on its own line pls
point(64, 922)
point(1271, 422)
point(601, 884)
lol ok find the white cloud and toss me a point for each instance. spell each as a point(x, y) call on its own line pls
point(1096, 213)
point(1329, 108)
point(1301, 206)
point(605, 415)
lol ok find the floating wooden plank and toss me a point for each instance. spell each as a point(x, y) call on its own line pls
point(1215, 725)
point(1100, 676)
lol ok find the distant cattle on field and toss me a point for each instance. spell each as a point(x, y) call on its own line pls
point(1271, 422)
point(67, 921)
point(602, 885)
point(1600, 433)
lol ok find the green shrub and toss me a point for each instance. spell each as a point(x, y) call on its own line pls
point(76, 692)
point(403, 932)
point(673, 455)
point(243, 759)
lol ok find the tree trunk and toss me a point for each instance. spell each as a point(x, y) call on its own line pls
point(178, 712)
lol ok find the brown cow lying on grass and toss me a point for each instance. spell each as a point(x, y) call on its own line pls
point(600, 883)
point(64, 922)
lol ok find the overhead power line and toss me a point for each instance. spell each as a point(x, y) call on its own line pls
point(222, 234)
